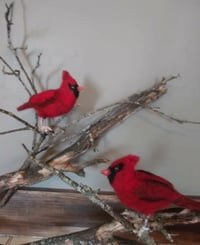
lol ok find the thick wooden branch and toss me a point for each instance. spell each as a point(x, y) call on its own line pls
point(89, 136)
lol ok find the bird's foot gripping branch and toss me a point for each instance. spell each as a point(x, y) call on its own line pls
point(42, 162)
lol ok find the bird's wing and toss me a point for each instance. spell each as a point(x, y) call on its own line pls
point(152, 187)
point(43, 98)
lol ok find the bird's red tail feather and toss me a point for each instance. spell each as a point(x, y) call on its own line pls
point(24, 106)
point(188, 203)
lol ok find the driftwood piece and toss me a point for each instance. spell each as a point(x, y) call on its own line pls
point(89, 136)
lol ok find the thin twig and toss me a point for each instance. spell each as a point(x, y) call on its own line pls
point(37, 64)
point(8, 18)
point(23, 69)
point(33, 153)
point(14, 72)
point(171, 118)
point(14, 130)
point(33, 72)
point(9, 23)
point(26, 148)
point(169, 79)
point(19, 119)
point(35, 133)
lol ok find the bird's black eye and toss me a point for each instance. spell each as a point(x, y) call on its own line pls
point(74, 88)
point(119, 167)
point(114, 170)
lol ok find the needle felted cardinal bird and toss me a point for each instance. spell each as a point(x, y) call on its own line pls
point(143, 191)
point(54, 102)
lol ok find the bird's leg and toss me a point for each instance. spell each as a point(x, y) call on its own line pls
point(145, 227)
point(44, 128)
point(162, 229)
point(166, 234)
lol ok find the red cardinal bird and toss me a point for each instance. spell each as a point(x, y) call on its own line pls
point(54, 102)
point(143, 191)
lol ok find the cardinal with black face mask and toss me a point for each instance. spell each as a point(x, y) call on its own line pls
point(143, 191)
point(54, 102)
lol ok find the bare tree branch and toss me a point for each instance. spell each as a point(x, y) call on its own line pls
point(9, 23)
point(15, 73)
point(10, 114)
point(8, 18)
point(37, 64)
point(171, 118)
point(14, 130)
point(88, 138)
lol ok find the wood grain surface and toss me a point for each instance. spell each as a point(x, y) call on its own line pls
point(45, 213)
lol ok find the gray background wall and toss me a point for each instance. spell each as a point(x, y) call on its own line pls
point(114, 48)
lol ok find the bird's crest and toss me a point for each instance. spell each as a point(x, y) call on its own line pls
point(66, 77)
point(128, 160)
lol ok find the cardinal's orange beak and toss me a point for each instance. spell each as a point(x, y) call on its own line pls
point(80, 88)
point(105, 172)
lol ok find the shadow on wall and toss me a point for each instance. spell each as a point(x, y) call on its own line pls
point(89, 96)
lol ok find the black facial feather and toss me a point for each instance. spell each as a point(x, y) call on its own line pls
point(114, 170)
point(74, 89)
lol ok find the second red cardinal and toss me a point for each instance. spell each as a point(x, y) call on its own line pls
point(54, 102)
point(143, 191)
